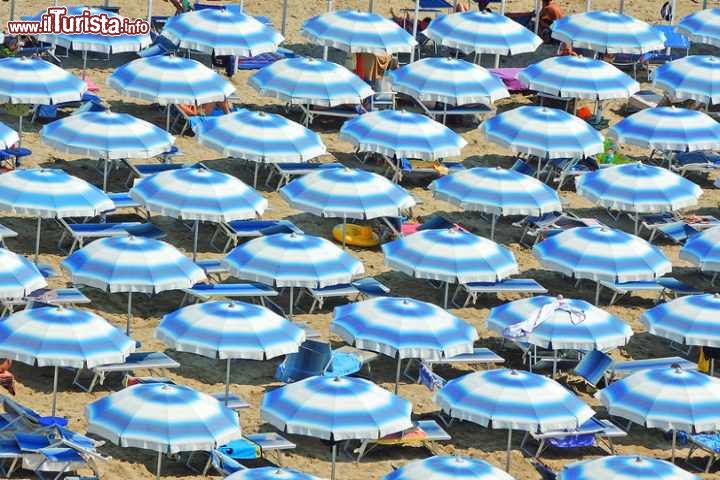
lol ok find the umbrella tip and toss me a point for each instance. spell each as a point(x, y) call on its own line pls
point(514, 372)
point(676, 367)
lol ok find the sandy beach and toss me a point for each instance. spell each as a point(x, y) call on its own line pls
point(251, 379)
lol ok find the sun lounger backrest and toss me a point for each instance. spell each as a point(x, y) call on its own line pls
point(593, 366)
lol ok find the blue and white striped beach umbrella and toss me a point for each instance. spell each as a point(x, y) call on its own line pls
point(445, 467)
point(50, 193)
point(270, 473)
point(18, 276)
point(498, 192)
point(668, 129)
point(132, 264)
point(666, 398)
point(703, 250)
point(347, 193)
point(696, 77)
point(168, 79)
point(690, 320)
point(357, 32)
point(227, 330)
point(336, 409)
point(8, 136)
point(62, 337)
point(516, 400)
point(38, 82)
point(607, 32)
point(450, 255)
point(543, 132)
point(701, 27)
point(94, 42)
point(482, 32)
point(259, 137)
point(559, 324)
point(199, 194)
point(624, 467)
point(638, 188)
point(310, 81)
point(224, 31)
point(600, 253)
point(164, 418)
point(398, 133)
point(578, 77)
point(403, 328)
point(447, 80)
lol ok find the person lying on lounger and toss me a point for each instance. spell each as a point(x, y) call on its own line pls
point(406, 21)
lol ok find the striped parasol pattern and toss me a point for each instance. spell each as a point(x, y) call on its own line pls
point(600, 253)
point(270, 473)
point(38, 82)
point(450, 255)
point(403, 328)
point(58, 336)
point(512, 399)
point(696, 77)
point(223, 31)
point(543, 132)
point(8, 136)
point(607, 32)
point(482, 32)
point(666, 398)
point(668, 128)
point(293, 260)
point(444, 467)
point(228, 329)
point(690, 320)
point(624, 467)
point(578, 77)
point(341, 408)
point(497, 191)
point(199, 194)
point(639, 188)
point(132, 264)
point(162, 417)
point(357, 32)
point(106, 135)
point(310, 81)
point(18, 276)
point(260, 137)
point(558, 323)
point(167, 79)
point(402, 134)
point(447, 80)
point(703, 250)
point(702, 26)
point(347, 193)
point(50, 193)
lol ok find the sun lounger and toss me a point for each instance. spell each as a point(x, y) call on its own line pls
point(82, 232)
point(224, 464)
point(703, 162)
point(19, 418)
point(151, 361)
point(593, 366)
point(586, 435)
point(10, 456)
point(288, 171)
point(316, 358)
point(50, 457)
point(123, 200)
point(234, 402)
point(52, 296)
point(550, 224)
point(213, 267)
point(665, 287)
point(6, 232)
point(621, 369)
point(366, 287)
point(340, 111)
point(510, 285)
point(478, 356)
point(676, 227)
point(644, 99)
point(238, 229)
point(707, 442)
point(423, 433)
point(403, 166)
point(213, 291)
point(440, 112)
point(142, 170)
point(251, 446)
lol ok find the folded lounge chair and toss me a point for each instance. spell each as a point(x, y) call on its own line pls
point(510, 285)
point(317, 358)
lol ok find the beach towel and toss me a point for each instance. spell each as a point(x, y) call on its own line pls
point(523, 329)
point(241, 449)
point(371, 67)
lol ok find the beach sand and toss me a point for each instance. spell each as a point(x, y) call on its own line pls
point(251, 379)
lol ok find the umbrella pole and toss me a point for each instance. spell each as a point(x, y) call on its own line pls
point(397, 373)
point(414, 32)
point(149, 10)
point(167, 118)
point(257, 166)
point(227, 381)
point(370, 6)
point(55, 388)
point(637, 218)
point(159, 466)
point(105, 174)
point(509, 444)
point(447, 290)
point(20, 131)
point(674, 439)
point(12, 10)
point(587, 6)
point(555, 359)
point(284, 18)
point(37, 239)
point(84, 64)
point(290, 307)
point(325, 48)
point(492, 226)
point(129, 318)
point(537, 15)
point(622, 6)
point(334, 456)
point(597, 293)
point(196, 230)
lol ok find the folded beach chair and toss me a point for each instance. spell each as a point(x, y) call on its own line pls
point(367, 287)
point(161, 45)
point(665, 287)
point(422, 434)
point(288, 171)
point(224, 464)
point(10, 158)
point(510, 285)
point(244, 229)
point(316, 358)
point(586, 435)
point(707, 442)
point(151, 361)
point(523, 167)
point(82, 232)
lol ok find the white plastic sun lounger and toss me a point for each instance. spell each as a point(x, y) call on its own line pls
point(365, 287)
point(288, 171)
point(432, 429)
point(665, 287)
point(213, 291)
point(625, 368)
point(510, 285)
point(602, 429)
point(52, 296)
point(151, 361)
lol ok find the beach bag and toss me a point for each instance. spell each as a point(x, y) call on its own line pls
point(703, 363)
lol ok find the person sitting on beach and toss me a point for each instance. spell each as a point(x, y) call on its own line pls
point(407, 21)
point(181, 6)
point(7, 379)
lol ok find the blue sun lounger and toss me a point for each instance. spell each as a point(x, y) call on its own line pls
point(364, 287)
point(238, 229)
point(10, 457)
point(82, 232)
point(53, 296)
point(665, 287)
point(586, 435)
point(288, 171)
point(151, 361)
